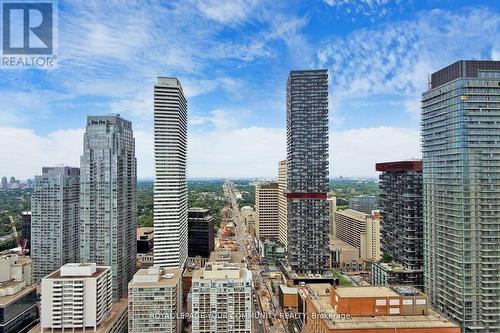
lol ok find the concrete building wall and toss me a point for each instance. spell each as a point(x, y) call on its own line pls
point(267, 211)
point(170, 192)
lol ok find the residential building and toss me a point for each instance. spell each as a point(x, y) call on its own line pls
point(5, 184)
point(461, 193)
point(201, 232)
point(55, 219)
point(170, 189)
point(361, 231)
point(108, 198)
point(145, 239)
point(26, 227)
point(332, 205)
point(307, 170)
point(155, 301)
point(221, 296)
point(323, 308)
point(363, 203)
point(18, 307)
point(288, 297)
point(400, 203)
point(77, 296)
point(267, 211)
point(282, 203)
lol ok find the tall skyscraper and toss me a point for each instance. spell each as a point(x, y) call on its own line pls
point(461, 191)
point(108, 198)
point(400, 202)
point(55, 217)
point(267, 210)
point(307, 170)
point(282, 203)
point(170, 190)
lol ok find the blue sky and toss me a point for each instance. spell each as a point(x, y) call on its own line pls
point(233, 58)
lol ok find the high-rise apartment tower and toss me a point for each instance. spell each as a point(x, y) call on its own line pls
point(307, 170)
point(170, 189)
point(108, 198)
point(55, 220)
point(461, 193)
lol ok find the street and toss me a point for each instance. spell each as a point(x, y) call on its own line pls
point(265, 307)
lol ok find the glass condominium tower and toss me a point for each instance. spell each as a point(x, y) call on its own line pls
point(108, 198)
point(307, 170)
point(461, 193)
point(170, 189)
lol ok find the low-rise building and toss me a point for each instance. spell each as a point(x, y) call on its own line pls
point(345, 257)
point(390, 274)
point(76, 296)
point(221, 297)
point(272, 251)
point(288, 297)
point(18, 308)
point(155, 301)
point(363, 203)
point(323, 308)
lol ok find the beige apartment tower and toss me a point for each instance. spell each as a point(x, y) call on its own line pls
point(266, 207)
point(359, 230)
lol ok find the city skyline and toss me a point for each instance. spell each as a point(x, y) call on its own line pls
point(234, 73)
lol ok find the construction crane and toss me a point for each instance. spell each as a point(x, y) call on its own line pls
point(22, 247)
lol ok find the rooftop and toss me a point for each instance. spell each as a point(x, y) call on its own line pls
point(4, 300)
point(354, 292)
point(288, 290)
point(78, 270)
point(322, 303)
point(156, 276)
point(144, 233)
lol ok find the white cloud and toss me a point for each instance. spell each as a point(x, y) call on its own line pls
point(227, 11)
point(236, 152)
point(396, 58)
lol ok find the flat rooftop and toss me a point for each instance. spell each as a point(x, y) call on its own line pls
point(322, 304)
point(226, 256)
point(5, 300)
point(365, 292)
point(288, 290)
point(147, 232)
point(336, 243)
point(57, 274)
point(150, 277)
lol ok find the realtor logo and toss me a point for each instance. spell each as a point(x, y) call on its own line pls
point(28, 34)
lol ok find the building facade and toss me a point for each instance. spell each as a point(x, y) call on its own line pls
point(363, 203)
point(267, 211)
point(361, 231)
point(55, 220)
point(108, 198)
point(221, 295)
point(401, 206)
point(155, 301)
point(170, 189)
point(201, 232)
point(307, 170)
point(324, 309)
point(77, 296)
point(461, 191)
point(18, 296)
point(282, 203)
